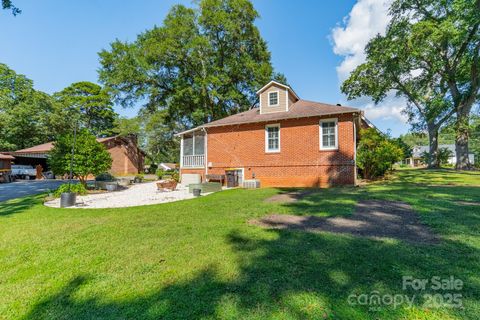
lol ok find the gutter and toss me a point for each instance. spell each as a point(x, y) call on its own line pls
point(269, 120)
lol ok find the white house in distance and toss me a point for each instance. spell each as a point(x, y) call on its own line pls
point(416, 159)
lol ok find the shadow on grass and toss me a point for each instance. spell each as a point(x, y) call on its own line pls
point(17, 205)
point(298, 275)
point(295, 275)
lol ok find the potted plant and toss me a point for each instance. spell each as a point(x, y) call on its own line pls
point(68, 194)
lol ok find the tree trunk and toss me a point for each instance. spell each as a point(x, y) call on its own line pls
point(461, 140)
point(433, 146)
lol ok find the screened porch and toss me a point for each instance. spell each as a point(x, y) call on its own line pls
point(193, 150)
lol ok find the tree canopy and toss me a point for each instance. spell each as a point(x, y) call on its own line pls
point(27, 116)
point(429, 55)
point(90, 105)
point(202, 64)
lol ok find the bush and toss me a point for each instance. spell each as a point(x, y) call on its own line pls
point(176, 175)
point(376, 153)
point(91, 157)
point(77, 188)
point(106, 176)
point(160, 173)
point(443, 155)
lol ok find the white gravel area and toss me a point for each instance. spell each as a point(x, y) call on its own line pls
point(135, 195)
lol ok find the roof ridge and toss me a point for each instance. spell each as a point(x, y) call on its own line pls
point(328, 104)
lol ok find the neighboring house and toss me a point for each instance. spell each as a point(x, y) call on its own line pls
point(5, 166)
point(416, 159)
point(167, 166)
point(127, 157)
point(285, 142)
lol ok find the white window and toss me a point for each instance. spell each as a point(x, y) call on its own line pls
point(272, 138)
point(273, 98)
point(328, 134)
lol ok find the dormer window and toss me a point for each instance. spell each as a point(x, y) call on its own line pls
point(273, 98)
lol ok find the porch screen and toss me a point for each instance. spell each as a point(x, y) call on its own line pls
point(194, 145)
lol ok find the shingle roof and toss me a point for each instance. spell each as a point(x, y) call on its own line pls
point(41, 148)
point(300, 109)
point(6, 157)
point(46, 147)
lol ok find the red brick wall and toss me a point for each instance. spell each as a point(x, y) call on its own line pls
point(300, 162)
point(127, 158)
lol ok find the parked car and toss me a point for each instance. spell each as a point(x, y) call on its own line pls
point(20, 171)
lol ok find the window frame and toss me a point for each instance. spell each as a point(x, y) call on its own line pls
point(322, 121)
point(273, 125)
point(278, 98)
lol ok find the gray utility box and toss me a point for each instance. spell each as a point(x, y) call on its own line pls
point(251, 184)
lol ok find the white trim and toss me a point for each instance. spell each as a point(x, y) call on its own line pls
point(181, 153)
point(280, 85)
point(193, 151)
point(278, 98)
point(189, 131)
point(260, 103)
point(273, 125)
point(321, 133)
point(355, 151)
point(205, 151)
point(270, 83)
point(286, 99)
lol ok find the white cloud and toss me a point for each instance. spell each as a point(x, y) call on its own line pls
point(366, 19)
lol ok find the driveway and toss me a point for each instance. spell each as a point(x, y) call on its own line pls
point(24, 188)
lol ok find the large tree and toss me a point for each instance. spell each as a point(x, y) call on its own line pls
point(202, 64)
point(430, 55)
point(27, 116)
point(90, 105)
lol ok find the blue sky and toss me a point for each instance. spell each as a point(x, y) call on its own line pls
point(55, 43)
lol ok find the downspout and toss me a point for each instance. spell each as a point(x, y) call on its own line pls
point(181, 153)
point(355, 149)
point(206, 152)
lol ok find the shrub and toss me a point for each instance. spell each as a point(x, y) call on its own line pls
point(443, 154)
point(77, 188)
point(160, 173)
point(376, 153)
point(91, 157)
point(176, 175)
point(106, 176)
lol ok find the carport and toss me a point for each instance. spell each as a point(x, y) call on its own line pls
point(33, 156)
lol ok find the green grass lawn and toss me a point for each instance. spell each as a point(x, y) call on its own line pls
point(199, 259)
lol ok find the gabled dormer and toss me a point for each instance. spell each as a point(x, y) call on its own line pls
point(276, 97)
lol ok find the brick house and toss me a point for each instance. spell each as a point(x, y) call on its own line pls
point(127, 157)
point(285, 142)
